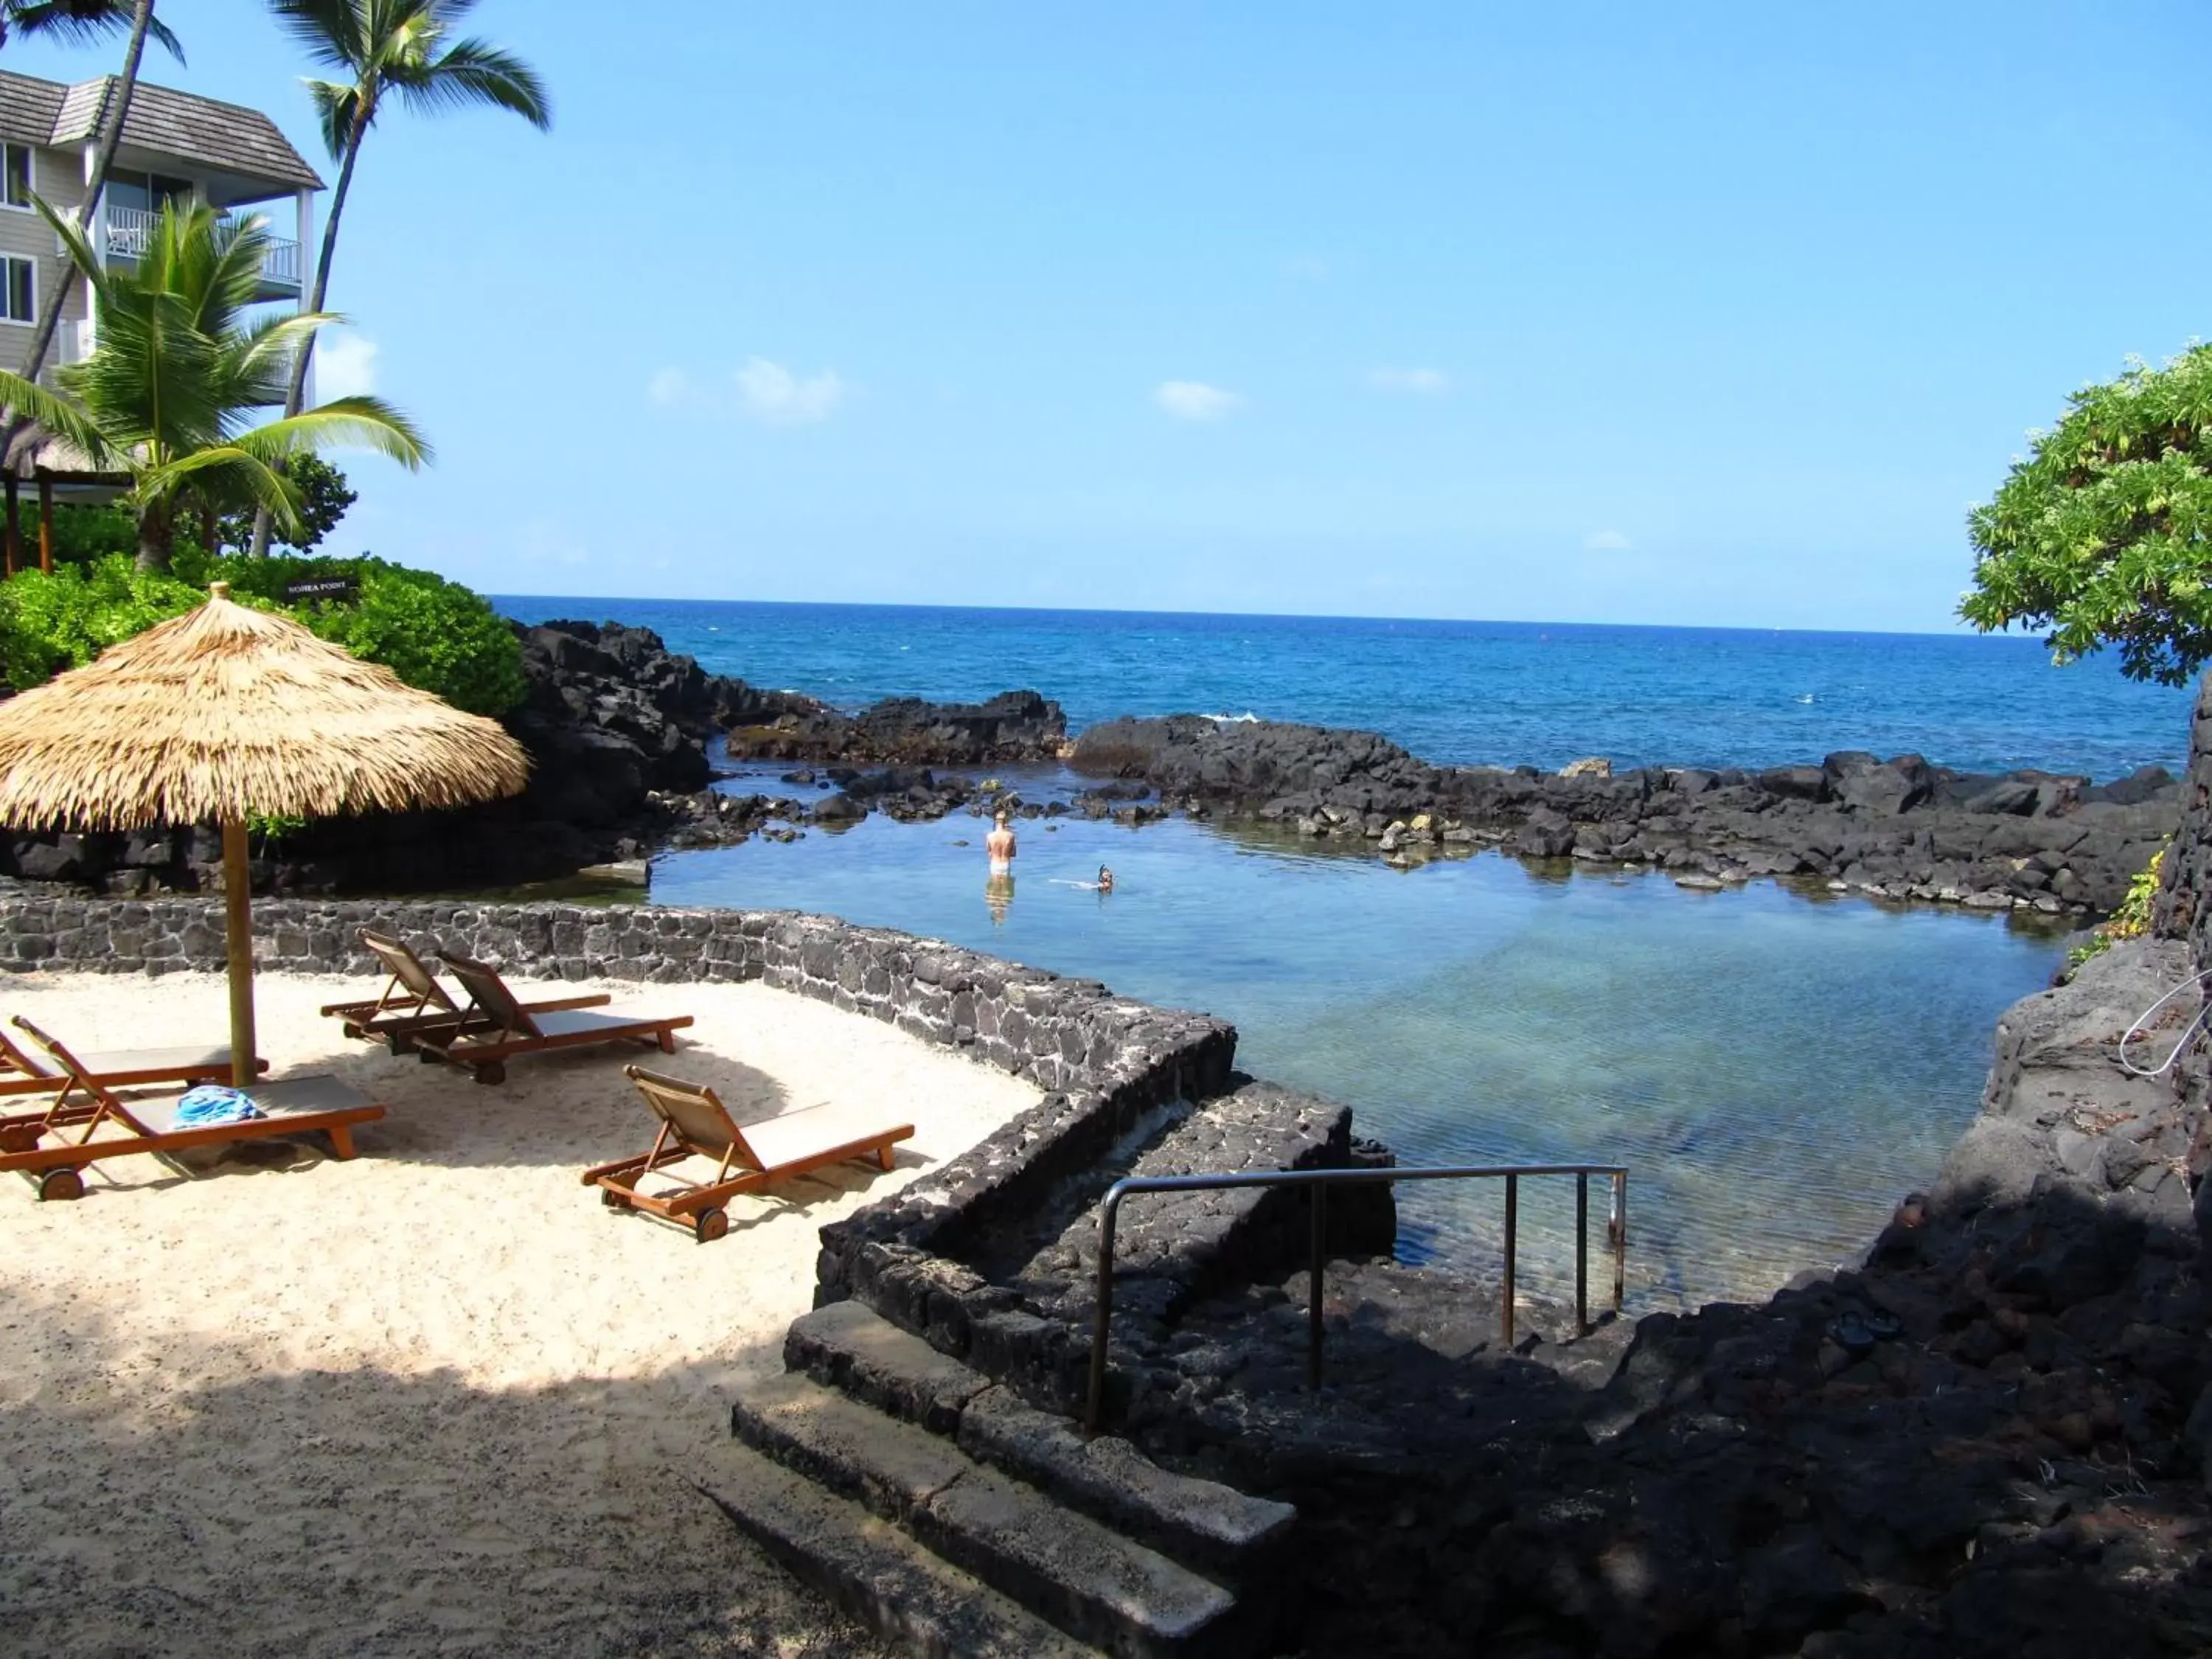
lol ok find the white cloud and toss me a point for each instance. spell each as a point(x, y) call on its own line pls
point(1606, 541)
point(1194, 400)
point(772, 394)
point(1410, 382)
point(345, 365)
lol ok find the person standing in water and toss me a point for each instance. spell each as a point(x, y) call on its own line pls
point(1000, 844)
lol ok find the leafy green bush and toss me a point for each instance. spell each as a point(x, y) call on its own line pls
point(48, 624)
point(435, 635)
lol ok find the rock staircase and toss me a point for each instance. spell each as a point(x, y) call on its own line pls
point(951, 1514)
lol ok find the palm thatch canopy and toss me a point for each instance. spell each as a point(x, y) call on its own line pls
point(226, 712)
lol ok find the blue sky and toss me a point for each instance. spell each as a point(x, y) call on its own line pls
point(1700, 313)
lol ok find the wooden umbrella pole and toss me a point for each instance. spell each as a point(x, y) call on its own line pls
point(238, 935)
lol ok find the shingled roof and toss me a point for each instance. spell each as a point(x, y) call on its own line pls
point(167, 122)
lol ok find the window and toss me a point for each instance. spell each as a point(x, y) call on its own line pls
point(147, 193)
point(16, 181)
point(22, 285)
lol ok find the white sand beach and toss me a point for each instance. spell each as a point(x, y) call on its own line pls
point(436, 1399)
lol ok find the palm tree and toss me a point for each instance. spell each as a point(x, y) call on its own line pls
point(166, 395)
point(82, 21)
point(391, 49)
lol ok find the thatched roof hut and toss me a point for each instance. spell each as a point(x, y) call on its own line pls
point(227, 711)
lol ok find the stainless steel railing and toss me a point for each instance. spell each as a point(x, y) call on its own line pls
point(1318, 1182)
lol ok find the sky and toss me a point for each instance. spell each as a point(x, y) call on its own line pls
point(1701, 314)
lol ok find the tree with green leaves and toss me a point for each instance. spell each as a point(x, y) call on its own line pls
point(388, 51)
point(166, 394)
point(2103, 533)
point(324, 496)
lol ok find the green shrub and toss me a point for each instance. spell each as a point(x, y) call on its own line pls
point(435, 635)
point(51, 622)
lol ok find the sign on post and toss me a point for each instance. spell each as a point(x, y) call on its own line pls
point(325, 589)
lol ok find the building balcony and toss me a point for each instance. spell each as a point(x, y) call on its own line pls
point(131, 232)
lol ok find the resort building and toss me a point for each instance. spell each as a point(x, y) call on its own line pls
point(176, 146)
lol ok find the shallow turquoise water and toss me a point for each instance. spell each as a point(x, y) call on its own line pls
point(1777, 1070)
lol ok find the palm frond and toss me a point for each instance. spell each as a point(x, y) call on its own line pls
point(329, 31)
point(472, 72)
point(64, 419)
point(82, 22)
point(337, 106)
point(361, 422)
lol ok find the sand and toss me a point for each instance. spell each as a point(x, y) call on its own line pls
point(436, 1399)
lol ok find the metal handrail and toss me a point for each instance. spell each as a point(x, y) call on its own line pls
point(1320, 1180)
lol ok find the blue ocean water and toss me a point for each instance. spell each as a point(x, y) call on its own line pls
point(1777, 1066)
point(1460, 692)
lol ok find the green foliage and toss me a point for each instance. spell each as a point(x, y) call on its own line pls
point(323, 499)
point(2103, 534)
point(435, 635)
point(2130, 920)
point(48, 624)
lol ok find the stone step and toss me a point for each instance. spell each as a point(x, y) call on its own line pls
point(1089, 1580)
point(868, 1565)
point(849, 1346)
point(1200, 1521)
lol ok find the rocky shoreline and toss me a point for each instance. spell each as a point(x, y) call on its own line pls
point(624, 738)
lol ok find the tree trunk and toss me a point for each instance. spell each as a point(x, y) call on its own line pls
point(156, 536)
point(295, 392)
point(110, 134)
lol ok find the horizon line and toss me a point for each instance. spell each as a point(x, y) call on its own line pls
point(1959, 632)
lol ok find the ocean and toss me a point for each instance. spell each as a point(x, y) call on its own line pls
point(1457, 693)
point(1778, 1066)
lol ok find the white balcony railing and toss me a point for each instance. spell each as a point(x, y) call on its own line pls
point(130, 233)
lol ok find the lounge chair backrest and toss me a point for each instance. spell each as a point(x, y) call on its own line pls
point(489, 993)
point(407, 968)
point(74, 1069)
point(695, 1113)
point(13, 1058)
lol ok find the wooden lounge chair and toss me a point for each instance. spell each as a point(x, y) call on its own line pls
point(413, 1000)
point(496, 1027)
point(291, 1107)
point(25, 1072)
point(694, 1123)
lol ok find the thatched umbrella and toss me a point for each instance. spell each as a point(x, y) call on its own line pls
point(226, 712)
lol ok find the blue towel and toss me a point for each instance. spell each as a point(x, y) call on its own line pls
point(207, 1104)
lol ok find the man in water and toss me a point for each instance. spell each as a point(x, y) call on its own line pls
point(1105, 879)
point(1000, 844)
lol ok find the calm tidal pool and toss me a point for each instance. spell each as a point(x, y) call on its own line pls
point(1776, 1069)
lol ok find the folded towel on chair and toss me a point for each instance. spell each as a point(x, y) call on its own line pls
point(210, 1103)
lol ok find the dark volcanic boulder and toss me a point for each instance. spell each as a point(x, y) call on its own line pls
point(1013, 728)
point(1795, 782)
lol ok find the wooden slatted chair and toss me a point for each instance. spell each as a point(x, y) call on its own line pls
point(25, 1072)
point(413, 1001)
point(294, 1106)
point(496, 1027)
point(694, 1123)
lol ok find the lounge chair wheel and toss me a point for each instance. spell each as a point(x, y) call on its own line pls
point(428, 1056)
point(613, 1199)
point(491, 1071)
point(58, 1185)
point(708, 1226)
point(20, 1138)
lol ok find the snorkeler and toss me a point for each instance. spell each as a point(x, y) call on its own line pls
point(1105, 879)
